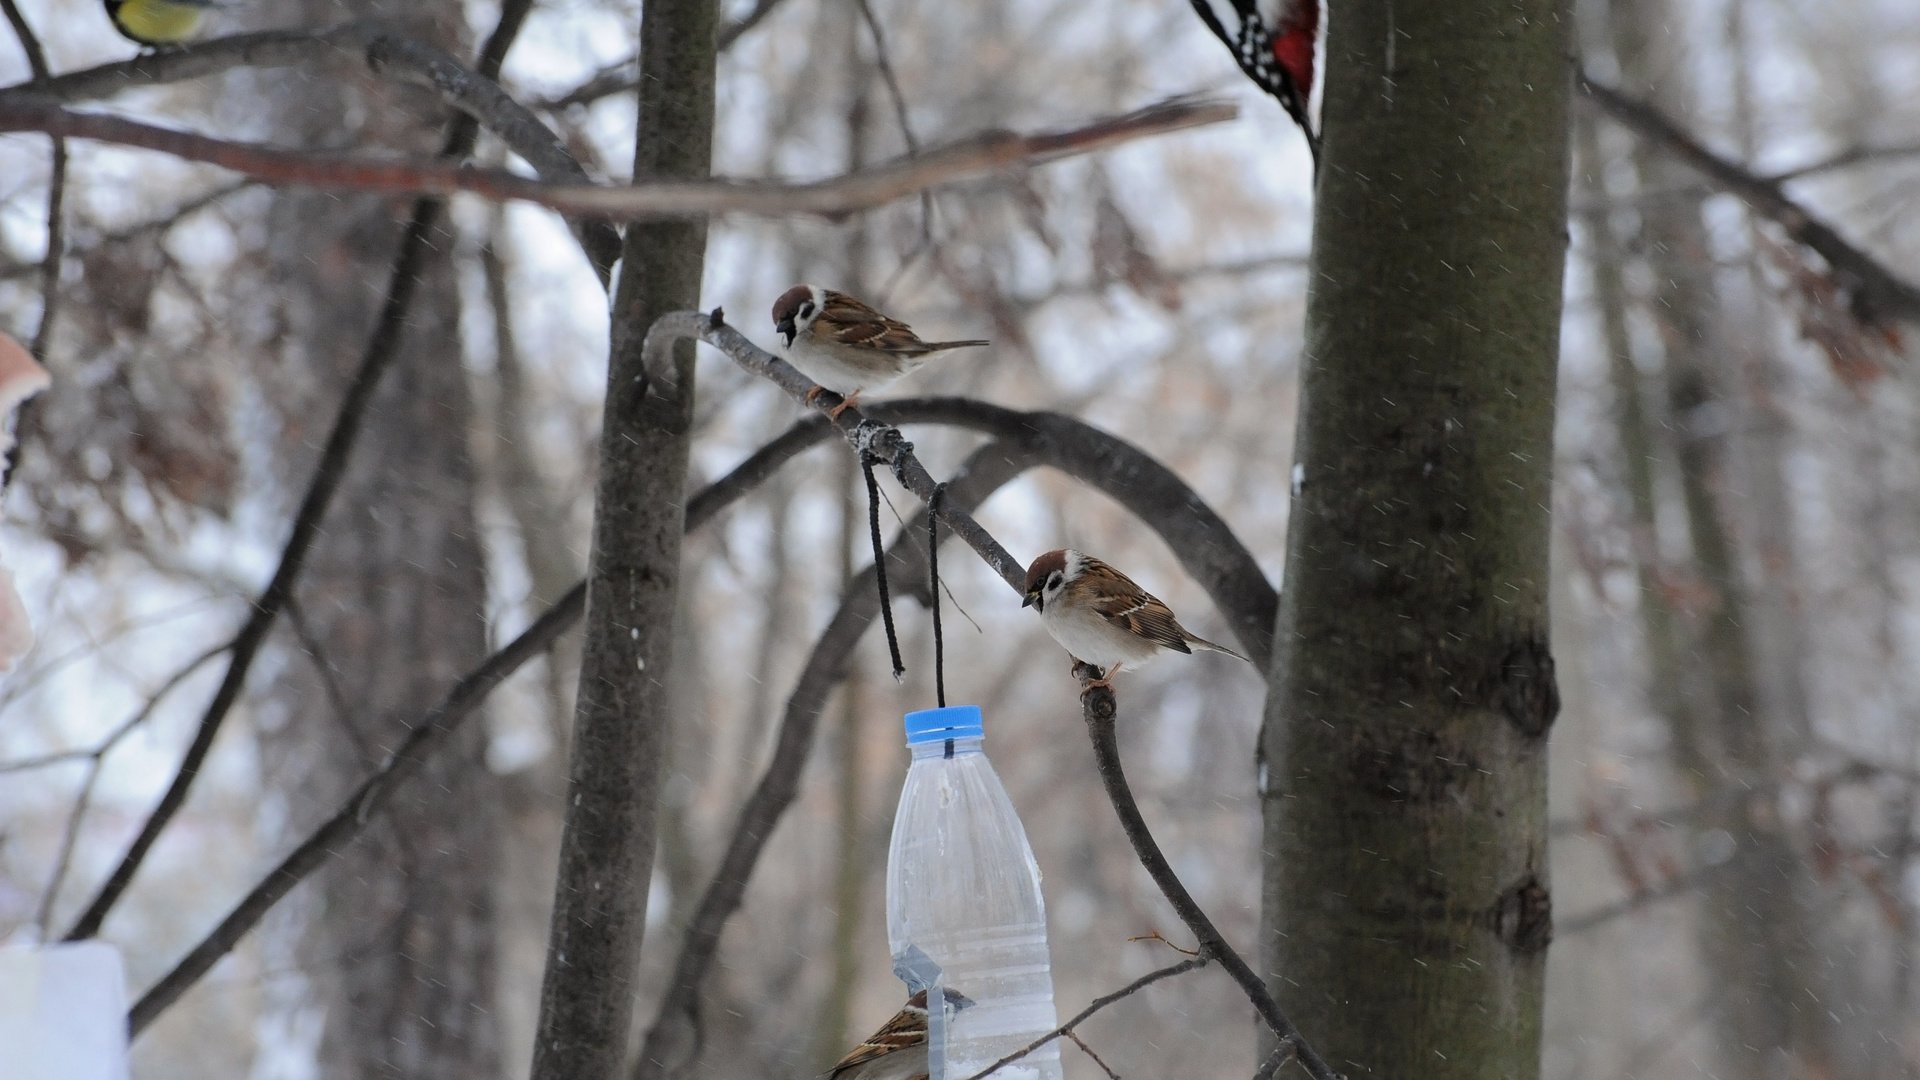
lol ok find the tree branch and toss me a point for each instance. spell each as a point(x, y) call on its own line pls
point(382, 347)
point(1877, 292)
point(475, 94)
point(643, 200)
point(1098, 709)
point(1095, 1006)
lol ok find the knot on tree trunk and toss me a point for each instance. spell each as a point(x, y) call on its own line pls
point(1523, 686)
point(1523, 916)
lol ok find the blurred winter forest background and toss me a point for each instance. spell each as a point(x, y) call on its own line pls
point(1736, 769)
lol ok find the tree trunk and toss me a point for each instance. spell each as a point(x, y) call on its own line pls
point(1406, 909)
point(624, 704)
point(398, 939)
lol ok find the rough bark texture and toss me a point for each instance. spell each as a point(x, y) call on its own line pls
point(624, 708)
point(398, 942)
point(1406, 908)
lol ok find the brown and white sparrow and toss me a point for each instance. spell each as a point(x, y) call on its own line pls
point(845, 346)
point(898, 1051)
point(1101, 617)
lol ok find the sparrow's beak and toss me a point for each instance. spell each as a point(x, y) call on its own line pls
point(1032, 599)
point(785, 329)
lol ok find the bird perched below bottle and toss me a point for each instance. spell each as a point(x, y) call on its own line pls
point(1102, 618)
point(845, 346)
point(898, 1051)
point(159, 24)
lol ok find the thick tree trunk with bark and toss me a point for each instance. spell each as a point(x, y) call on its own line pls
point(1406, 908)
point(625, 704)
point(399, 936)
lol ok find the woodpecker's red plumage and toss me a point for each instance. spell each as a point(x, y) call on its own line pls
point(1294, 33)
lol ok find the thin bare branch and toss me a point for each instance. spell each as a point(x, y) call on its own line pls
point(1876, 290)
point(95, 759)
point(622, 76)
point(142, 229)
point(645, 200)
point(1099, 710)
point(1095, 1006)
point(1088, 1050)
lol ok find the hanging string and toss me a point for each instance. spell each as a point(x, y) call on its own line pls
point(933, 590)
point(880, 564)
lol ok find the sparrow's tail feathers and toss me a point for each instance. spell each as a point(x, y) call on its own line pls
point(1203, 643)
point(943, 346)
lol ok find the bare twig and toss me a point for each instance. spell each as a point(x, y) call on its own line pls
point(1155, 935)
point(1095, 1006)
point(646, 200)
point(883, 61)
point(1876, 290)
point(382, 347)
point(144, 228)
point(95, 759)
point(1088, 1050)
point(622, 77)
point(1099, 709)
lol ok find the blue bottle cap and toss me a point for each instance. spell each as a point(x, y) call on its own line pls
point(952, 722)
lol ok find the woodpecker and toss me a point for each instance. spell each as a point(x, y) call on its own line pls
point(1272, 41)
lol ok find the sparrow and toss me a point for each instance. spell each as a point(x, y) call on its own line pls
point(845, 346)
point(1101, 617)
point(898, 1051)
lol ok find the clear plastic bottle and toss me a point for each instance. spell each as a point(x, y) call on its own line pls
point(963, 889)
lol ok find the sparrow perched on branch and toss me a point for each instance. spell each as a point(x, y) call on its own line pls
point(1101, 617)
point(845, 346)
point(898, 1051)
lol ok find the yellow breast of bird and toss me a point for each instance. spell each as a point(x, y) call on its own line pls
point(158, 20)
